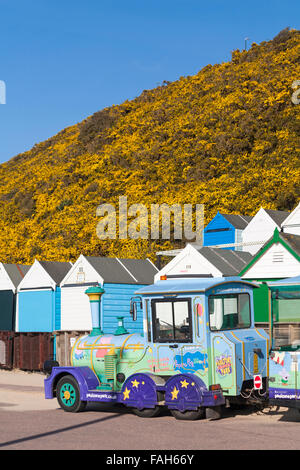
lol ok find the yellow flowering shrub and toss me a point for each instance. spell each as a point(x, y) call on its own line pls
point(227, 137)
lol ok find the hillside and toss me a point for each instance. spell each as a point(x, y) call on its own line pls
point(227, 137)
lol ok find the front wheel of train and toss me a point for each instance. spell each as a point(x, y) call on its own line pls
point(68, 395)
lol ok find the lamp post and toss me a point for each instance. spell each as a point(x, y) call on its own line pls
point(94, 294)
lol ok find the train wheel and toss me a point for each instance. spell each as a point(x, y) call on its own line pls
point(189, 415)
point(215, 412)
point(150, 412)
point(68, 395)
point(147, 412)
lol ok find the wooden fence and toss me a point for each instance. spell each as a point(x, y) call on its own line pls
point(64, 341)
point(283, 333)
point(26, 351)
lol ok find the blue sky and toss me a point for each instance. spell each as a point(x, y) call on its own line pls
point(63, 60)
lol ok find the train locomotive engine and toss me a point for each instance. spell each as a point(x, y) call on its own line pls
point(198, 351)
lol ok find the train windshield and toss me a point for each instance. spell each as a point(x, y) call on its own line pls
point(229, 311)
point(172, 320)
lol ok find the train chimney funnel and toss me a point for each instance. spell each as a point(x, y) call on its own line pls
point(94, 293)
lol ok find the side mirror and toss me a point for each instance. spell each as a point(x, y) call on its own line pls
point(134, 306)
point(134, 317)
point(133, 311)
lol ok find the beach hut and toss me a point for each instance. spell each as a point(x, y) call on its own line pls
point(278, 259)
point(292, 223)
point(38, 298)
point(226, 229)
point(195, 261)
point(120, 278)
point(261, 228)
point(10, 277)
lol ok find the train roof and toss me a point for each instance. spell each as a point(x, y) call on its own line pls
point(172, 286)
point(284, 282)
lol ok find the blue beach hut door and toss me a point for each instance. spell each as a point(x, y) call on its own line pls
point(36, 311)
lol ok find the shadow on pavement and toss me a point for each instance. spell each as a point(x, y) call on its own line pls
point(57, 431)
point(121, 409)
point(286, 414)
point(279, 413)
point(4, 405)
point(282, 414)
point(291, 415)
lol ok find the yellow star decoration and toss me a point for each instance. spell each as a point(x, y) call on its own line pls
point(143, 383)
point(193, 383)
point(184, 383)
point(174, 393)
point(126, 393)
point(135, 383)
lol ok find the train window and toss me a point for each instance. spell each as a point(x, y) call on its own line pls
point(229, 311)
point(148, 321)
point(172, 320)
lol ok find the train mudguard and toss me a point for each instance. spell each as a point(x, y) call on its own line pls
point(85, 377)
point(139, 391)
point(189, 392)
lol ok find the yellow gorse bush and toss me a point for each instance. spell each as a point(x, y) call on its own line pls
point(227, 137)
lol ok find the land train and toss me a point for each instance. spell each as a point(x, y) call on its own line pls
point(199, 351)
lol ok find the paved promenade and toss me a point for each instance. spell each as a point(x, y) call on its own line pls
point(28, 421)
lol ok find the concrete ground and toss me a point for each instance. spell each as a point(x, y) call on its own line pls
point(18, 377)
point(31, 387)
point(28, 421)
